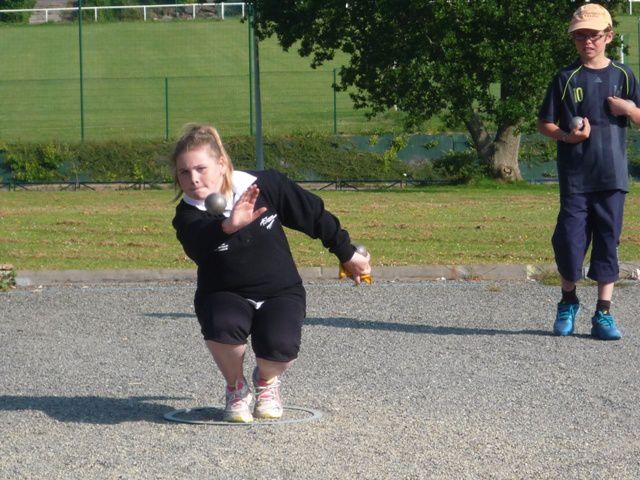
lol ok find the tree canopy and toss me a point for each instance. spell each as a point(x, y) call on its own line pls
point(22, 17)
point(485, 64)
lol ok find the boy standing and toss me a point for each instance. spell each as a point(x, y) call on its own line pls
point(592, 165)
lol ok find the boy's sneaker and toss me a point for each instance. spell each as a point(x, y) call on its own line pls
point(604, 326)
point(238, 399)
point(268, 402)
point(565, 318)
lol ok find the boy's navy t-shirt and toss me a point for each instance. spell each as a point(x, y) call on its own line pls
point(598, 163)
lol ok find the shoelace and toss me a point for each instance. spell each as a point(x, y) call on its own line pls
point(605, 320)
point(268, 392)
point(565, 311)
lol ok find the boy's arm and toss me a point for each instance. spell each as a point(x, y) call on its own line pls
point(621, 106)
point(577, 135)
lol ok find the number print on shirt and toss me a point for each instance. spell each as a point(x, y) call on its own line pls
point(578, 94)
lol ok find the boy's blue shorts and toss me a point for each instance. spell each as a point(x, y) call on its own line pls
point(589, 218)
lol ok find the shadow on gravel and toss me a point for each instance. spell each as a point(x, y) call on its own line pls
point(342, 322)
point(98, 410)
point(170, 315)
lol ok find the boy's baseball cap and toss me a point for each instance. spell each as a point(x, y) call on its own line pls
point(591, 16)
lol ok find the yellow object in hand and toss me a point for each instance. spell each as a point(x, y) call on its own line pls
point(366, 278)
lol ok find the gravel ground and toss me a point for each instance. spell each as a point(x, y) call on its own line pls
point(414, 380)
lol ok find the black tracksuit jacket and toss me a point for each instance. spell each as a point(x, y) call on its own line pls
point(256, 262)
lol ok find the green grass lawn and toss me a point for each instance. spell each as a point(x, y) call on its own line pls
point(125, 65)
point(628, 27)
point(435, 225)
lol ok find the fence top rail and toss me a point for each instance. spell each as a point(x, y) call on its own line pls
point(119, 7)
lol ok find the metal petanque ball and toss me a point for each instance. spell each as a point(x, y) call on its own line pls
point(361, 249)
point(215, 203)
point(576, 122)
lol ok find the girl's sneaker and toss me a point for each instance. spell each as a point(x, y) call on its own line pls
point(268, 402)
point(238, 399)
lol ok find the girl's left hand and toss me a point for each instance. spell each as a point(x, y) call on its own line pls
point(243, 212)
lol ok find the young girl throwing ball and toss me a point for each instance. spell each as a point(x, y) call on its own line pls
point(248, 285)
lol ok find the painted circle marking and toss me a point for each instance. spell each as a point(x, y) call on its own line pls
point(198, 416)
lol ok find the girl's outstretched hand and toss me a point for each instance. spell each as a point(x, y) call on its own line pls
point(243, 212)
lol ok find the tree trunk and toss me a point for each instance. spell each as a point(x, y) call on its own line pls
point(504, 161)
point(501, 154)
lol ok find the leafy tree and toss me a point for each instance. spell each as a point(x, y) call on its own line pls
point(22, 17)
point(481, 63)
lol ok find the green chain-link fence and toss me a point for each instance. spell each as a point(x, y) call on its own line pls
point(144, 79)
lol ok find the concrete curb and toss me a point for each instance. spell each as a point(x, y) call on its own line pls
point(27, 278)
point(496, 272)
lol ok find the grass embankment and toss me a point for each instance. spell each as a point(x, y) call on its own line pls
point(435, 225)
point(137, 76)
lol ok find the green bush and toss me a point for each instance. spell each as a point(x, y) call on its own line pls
point(634, 166)
point(124, 161)
point(301, 157)
point(21, 17)
point(536, 151)
point(306, 157)
point(36, 162)
point(7, 277)
point(314, 157)
point(422, 170)
point(460, 167)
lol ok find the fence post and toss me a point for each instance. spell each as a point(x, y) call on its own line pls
point(81, 71)
point(256, 89)
point(335, 104)
point(250, 45)
point(166, 108)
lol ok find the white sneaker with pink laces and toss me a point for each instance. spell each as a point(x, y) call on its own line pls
point(268, 403)
point(238, 400)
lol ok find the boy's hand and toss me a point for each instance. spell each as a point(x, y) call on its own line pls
point(624, 106)
point(621, 106)
point(578, 135)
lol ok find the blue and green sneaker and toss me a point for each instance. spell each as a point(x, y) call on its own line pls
point(604, 326)
point(565, 319)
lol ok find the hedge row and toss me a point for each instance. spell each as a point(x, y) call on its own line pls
point(310, 157)
point(301, 158)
